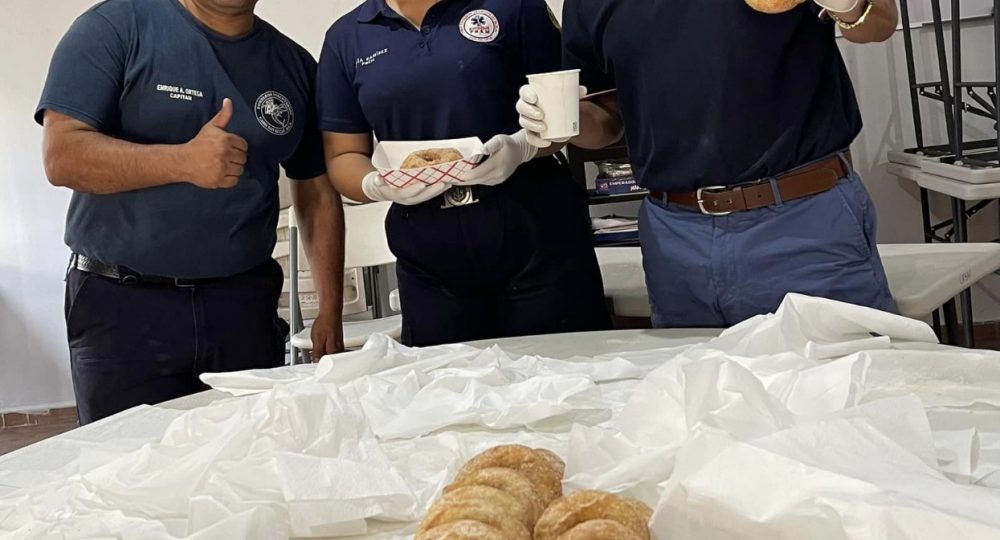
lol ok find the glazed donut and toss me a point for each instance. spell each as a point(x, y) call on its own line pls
point(533, 465)
point(485, 505)
point(774, 6)
point(430, 157)
point(572, 510)
point(509, 481)
point(462, 530)
point(599, 529)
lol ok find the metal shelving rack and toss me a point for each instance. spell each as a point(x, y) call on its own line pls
point(958, 97)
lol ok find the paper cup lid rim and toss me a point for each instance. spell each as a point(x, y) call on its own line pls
point(553, 74)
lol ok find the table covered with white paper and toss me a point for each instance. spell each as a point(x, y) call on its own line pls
point(821, 421)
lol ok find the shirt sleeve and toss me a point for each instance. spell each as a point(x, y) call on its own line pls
point(87, 74)
point(581, 37)
point(336, 98)
point(541, 43)
point(308, 161)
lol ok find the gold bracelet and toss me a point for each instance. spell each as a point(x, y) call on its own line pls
point(851, 26)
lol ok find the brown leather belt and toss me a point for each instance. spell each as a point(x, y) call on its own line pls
point(805, 181)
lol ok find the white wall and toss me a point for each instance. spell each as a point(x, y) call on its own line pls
point(33, 355)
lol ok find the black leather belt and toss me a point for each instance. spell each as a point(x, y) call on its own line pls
point(126, 276)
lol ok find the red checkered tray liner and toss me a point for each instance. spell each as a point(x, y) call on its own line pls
point(445, 172)
point(389, 155)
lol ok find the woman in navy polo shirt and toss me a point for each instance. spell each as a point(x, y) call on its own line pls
point(512, 255)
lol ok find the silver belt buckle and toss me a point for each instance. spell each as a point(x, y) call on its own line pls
point(701, 200)
point(459, 196)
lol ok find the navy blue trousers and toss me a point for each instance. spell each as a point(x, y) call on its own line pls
point(145, 344)
point(519, 262)
point(716, 271)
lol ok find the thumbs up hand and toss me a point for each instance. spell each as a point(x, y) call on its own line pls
point(215, 158)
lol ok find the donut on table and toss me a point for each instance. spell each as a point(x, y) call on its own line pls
point(430, 157)
point(572, 511)
point(532, 464)
point(493, 510)
point(509, 481)
point(462, 530)
point(498, 495)
point(599, 529)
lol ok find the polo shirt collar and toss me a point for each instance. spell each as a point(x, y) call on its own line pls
point(373, 9)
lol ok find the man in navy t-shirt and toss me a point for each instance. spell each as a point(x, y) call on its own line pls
point(169, 119)
point(738, 122)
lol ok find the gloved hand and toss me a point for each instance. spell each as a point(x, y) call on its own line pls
point(838, 6)
point(377, 189)
point(532, 117)
point(506, 153)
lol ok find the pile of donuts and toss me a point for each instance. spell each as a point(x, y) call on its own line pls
point(515, 493)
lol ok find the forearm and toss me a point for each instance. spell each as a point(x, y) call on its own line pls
point(320, 215)
point(91, 162)
point(879, 26)
point(600, 126)
point(347, 171)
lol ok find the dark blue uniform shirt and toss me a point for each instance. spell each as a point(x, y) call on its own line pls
point(457, 76)
point(713, 92)
point(146, 71)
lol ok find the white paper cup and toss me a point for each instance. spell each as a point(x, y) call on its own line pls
point(559, 98)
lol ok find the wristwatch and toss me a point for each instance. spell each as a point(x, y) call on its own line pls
point(869, 4)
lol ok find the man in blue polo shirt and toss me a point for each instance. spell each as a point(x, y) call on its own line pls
point(738, 122)
point(169, 120)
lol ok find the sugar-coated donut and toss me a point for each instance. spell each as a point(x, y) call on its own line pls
point(509, 481)
point(554, 460)
point(599, 529)
point(430, 157)
point(483, 504)
point(462, 530)
point(534, 465)
point(640, 507)
point(572, 510)
point(774, 6)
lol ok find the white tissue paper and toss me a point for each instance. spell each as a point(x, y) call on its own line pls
point(822, 420)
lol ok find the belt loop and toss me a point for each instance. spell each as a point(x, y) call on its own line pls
point(775, 191)
point(842, 156)
point(665, 199)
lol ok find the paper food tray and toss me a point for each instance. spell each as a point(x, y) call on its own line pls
point(389, 155)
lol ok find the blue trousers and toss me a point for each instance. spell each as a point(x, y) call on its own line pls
point(716, 271)
point(145, 344)
point(519, 262)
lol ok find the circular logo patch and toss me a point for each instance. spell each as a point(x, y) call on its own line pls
point(275, 114)
point(480, 26)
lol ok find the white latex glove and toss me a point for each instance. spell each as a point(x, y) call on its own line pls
point(377, 189)
point(532, 117)
point(838, 6)
point(506, 153)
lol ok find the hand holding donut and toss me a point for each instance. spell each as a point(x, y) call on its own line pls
point(781, 6)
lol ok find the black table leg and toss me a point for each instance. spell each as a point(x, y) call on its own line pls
point(925, 214)
point(961, 236)
point(951, 322)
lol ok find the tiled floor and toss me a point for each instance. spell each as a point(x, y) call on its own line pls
point(18, 430)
